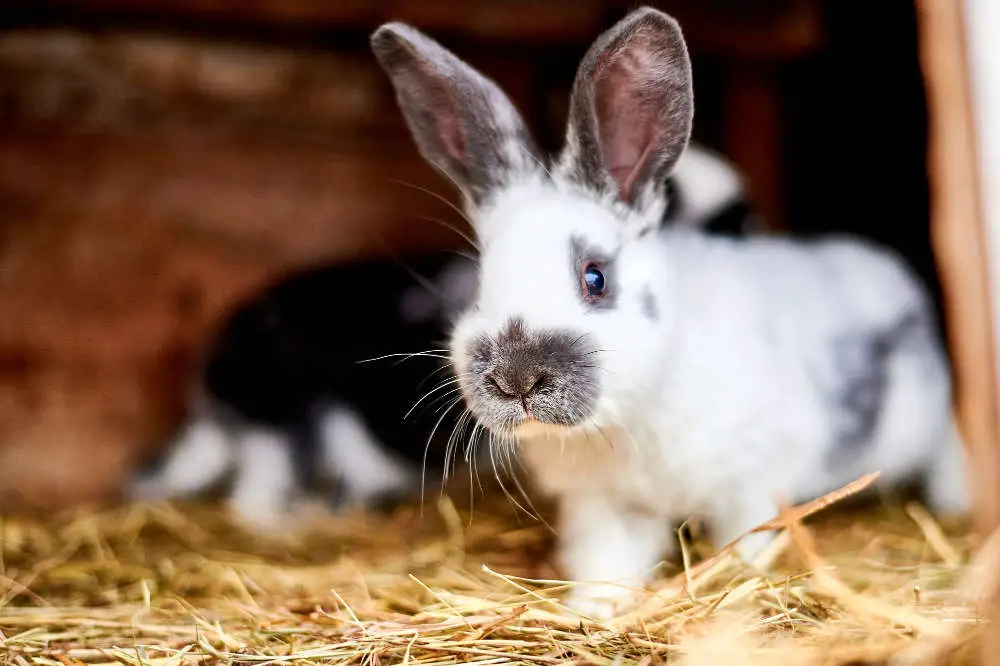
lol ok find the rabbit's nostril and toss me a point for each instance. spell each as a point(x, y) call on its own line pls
point(498, 387)
point(515, 387)
point(538, 383)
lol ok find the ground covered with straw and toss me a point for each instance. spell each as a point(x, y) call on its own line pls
point(869, 584)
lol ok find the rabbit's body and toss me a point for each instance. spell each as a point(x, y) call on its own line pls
point(789, 377)
point(320, 377)
point(650, 376)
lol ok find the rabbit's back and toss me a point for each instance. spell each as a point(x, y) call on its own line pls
point(827, 352)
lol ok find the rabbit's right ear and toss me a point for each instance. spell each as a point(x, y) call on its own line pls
point(462, 123)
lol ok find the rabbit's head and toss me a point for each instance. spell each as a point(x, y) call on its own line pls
point(567, 327)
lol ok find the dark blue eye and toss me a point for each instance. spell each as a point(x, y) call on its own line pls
point(594, 279)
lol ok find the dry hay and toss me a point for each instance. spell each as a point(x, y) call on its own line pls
point(151, 585)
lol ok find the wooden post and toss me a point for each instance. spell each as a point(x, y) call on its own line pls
point(959, 238)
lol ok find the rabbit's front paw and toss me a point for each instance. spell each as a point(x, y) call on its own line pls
point(599, 602)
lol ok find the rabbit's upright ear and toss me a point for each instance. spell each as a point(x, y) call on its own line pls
point(462, 123)
point(631, 109)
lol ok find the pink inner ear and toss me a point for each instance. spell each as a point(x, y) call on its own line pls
point(444, 114)
point(627, 135)
point(625, 175)
point(626, 117)
point(451, 136)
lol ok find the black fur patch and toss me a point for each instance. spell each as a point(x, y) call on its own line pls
point(311, 339)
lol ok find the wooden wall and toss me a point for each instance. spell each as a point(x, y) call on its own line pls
point(146, 183)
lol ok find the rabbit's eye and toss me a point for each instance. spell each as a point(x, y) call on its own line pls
point(594, 281)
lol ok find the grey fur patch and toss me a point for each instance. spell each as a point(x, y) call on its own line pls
point(583, 255)
point(550, 375)
point(861, 370)
point(647, 300)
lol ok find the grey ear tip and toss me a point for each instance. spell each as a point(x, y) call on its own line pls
point(388, 34)
point(647, 14)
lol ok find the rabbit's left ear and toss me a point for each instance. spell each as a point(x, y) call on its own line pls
point(631, 108)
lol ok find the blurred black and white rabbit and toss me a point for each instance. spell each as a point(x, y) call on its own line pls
point(310, 383)
point(648, 377)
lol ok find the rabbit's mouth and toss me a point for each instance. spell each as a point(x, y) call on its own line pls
point(523, 379)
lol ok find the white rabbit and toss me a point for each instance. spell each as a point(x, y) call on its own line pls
point(648, 377)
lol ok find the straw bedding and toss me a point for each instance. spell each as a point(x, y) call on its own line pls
point(449, 584)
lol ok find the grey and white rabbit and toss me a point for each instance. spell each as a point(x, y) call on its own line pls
point(647, 377)
point(309, 389)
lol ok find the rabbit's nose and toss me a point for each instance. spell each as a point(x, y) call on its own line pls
point(515, 385)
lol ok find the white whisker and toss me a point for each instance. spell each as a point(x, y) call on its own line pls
point(451, 227)
point(431, 353)
point(427, 446)
point(437, 196)
point(445, 384)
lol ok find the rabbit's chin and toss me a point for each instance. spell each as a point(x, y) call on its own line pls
point(535, 429)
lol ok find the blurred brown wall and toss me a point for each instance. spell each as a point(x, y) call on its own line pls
point(145, 184)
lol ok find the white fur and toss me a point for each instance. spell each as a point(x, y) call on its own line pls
point(199, 457)
point(706, 180)
point(265, 479)
point(949, 487)
point(365, 466)
point(206, 450)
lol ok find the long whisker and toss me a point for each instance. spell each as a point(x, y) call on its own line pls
point(444, 368)
point(431, 353)
point(524, 493)
point(424, 282)
point(449, 454)
point(451, 227)
point(444, 384)
point(471, 459)
point(427, 448)
point(474, 258)
point(536, 159)
point(499, 477)
point(437, 196)
point(460, 434)
point(444, 397)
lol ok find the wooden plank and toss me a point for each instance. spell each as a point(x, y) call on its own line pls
point(958, 236)
point(758, 28)
point(522, 21)
point(129, 81)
